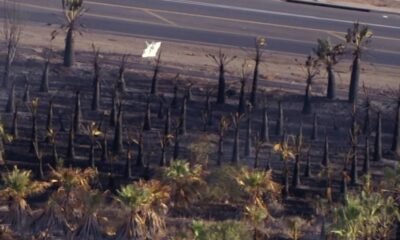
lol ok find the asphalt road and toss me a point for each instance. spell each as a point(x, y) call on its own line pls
point(288, 27)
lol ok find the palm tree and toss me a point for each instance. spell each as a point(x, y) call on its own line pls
point(17, 186)
point(257, 184)
point(357, 37)
point(312, 69)
point(93, 132)
point(89, 228)
point(221, 60)
point(184, 180)
point(146, 205)
point(259, 44)
point(328, 54)
point(73, 10)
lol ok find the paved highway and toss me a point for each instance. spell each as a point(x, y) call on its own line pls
point(288, 27)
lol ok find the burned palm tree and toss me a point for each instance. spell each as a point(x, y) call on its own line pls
point(325, 159)
point(208, 111)
point(189, 94)
point(378, 139)
point(14, 128)
point(314, 132)
point(243, 80)
point(366, 163)
point(164, 140)
point(258, 146)
point(221, 60)
point(73, 11)
point(264, 130)
point(27, 96)
point(39, 158)
point(328, 54)
point(114, 108)
point(174, 101)
point(260, 43)
point(298, 153)
point(33, 107)
point(96, 79)
point(121, 83)
point(396, 133)
point(357, 37)
point(307, 168)
point(280, 121)
point(183, 116)
point(368, 107)
point(167, 123)
point(16, 188)
point(161, 109)
point(78, 113)
point(93, 131)
point(51, 136)
point(49, 120)
point(223, 126)
point(236, 142)
point(51, 220)
point(248, 143)
point(154, 80)
point(118, 146)
point(89, 227)
point(12, 30)
point(354, 134)
point(312, 69)
point(10, 108)
point(44, 84)
point(128, 164)
point(147, 116)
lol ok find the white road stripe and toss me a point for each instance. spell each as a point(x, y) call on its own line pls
point(213, 5)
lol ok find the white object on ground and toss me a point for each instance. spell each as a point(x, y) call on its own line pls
point(151, 49)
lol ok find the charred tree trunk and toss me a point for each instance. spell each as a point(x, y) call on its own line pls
point(296, 170)
point(307, 169)
point(280, 121)
point(154, 81)
point(307, 108)
point(396, 133)
point(220, 153)
point(118, 147)
point(71, 145)
point(366, 156)
point(235, 153)
point(11, 101)
point(325, 160)
point(128, 164)
point(253, 96)
point(34, 139)
point(7, 69)
point(49, 121)
point(314, 133)
point(163, 158)
point(174, 102)
point(242, 101)
point(285, 189)
point(78, 114)
point(147, 117)
point(378, 140)
point(27, 97)
point(160, 112)
point(182, 121)
point(367, 120)
point(55, 159)
point(247, 148)
point(14, 130)
point(139, 157)
point(354, 81)
point(221, 85)
point(264, 136)
point(354, 170)
point(69, 53)
point(121, 76)
point(96, 92)
point(104, 149)
point(114, 109)
point(44, 85)
point(331, 90)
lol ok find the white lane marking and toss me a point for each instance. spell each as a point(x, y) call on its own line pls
point(245, 9)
